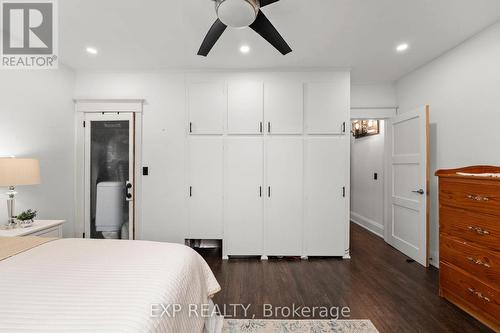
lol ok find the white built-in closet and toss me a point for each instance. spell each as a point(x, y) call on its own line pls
point(269, 162)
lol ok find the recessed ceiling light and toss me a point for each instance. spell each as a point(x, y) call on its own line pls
point(244, 49)
point(91, 50)
point(402, 47)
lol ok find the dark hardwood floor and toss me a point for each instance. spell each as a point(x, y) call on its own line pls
point(377, 284)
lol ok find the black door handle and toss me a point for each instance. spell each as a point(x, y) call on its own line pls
point(268, 127)
point(260, 191)
point(260, 127)
point(269, 191)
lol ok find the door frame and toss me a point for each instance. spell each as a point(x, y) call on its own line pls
point(385, 114)
point(104, 106)
point(103, 117)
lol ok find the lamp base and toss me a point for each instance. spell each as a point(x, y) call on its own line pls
point(11, 205)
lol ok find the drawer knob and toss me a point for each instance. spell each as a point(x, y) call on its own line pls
point(476, 197)
point(478, 262)
point(478, 230)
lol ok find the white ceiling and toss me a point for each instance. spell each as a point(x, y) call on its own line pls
point(359, 34)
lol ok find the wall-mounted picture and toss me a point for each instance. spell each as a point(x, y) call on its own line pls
point(362, 128)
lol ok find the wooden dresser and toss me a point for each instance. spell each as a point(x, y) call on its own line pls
point(469, 241)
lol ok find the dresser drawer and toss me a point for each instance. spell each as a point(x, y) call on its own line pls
point(481, 196)
point(472, 292)
point(475, 228)
point(482, 264)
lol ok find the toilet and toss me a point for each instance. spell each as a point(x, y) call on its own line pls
point(109, 209)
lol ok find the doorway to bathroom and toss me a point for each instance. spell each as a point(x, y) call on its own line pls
point(109, 175)
point(109, 170)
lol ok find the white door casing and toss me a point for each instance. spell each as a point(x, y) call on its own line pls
point(108, 116)
point(408, 204)
point(243, 196)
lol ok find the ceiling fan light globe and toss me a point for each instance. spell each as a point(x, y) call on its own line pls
point(237, 13)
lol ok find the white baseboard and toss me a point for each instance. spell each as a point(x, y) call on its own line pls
point(368, 224)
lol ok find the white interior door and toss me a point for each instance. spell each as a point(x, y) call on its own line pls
point(206, 166)
point(207, 106)
point(326, 163)
point(284, 196)
point(109, 184)
point(283, 107)
point(244, 192)
point(409, 193)
point(245, 107)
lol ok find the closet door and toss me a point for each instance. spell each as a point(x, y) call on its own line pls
point(207, 105)
point(245, 107)
point(284, 196)
point(327, 106)
point(206, 166)
point(283, 107)
point(326, 178)
point(243, 204)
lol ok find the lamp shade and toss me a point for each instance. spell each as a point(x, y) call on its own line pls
point(19, 171)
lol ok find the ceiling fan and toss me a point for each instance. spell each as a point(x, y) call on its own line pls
point(239, 14)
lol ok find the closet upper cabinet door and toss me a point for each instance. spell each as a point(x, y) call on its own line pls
point(243, 212)
point(207, 104)
point(206, 168)
point(283, 107)
point(327, 106)
point(245, 105)
point(326, 175)
point(284, 196)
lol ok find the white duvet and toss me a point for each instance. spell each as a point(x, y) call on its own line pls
point(72, 285)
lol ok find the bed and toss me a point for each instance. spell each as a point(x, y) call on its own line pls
point(85, 285)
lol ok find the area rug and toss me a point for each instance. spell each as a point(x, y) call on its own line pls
point(297, 326)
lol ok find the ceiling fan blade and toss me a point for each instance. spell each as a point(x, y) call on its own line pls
point(264, 27)
point(267, 2)
point(212, 37)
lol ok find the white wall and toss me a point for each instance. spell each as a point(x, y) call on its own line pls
point(462, 89)
point(165, 191)
point(367, 201)
point(373, 95)
point(37, 120)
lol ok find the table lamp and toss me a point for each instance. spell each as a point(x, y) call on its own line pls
point(17, 172)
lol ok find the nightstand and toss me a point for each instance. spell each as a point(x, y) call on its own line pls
point(41, 228)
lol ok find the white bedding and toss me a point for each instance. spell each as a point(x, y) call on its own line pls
point(71, 285)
